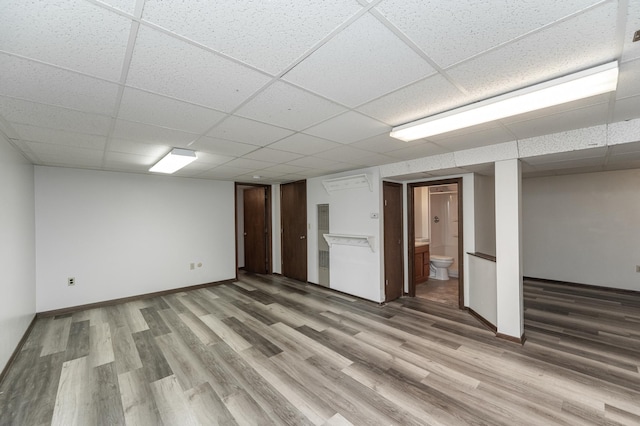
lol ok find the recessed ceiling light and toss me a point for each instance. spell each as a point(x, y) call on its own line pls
point(176, 159)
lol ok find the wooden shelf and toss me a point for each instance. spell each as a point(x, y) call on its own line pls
point(351, 240)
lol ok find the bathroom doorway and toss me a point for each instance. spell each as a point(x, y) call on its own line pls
point(436, 241)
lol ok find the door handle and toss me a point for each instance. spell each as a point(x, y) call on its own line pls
point(302, 237)
point(245, 234)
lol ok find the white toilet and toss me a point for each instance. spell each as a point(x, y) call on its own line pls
point(439, 267)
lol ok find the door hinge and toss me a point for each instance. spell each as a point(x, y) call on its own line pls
point(385, 203)
point(386, 282)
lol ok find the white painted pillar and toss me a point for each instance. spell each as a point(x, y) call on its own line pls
point(510, 309)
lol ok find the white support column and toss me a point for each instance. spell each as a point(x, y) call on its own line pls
point(510, 310)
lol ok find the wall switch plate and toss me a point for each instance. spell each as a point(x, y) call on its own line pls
point(192, 266)
point(374, 215)
point(637, 268)
point(71, 281)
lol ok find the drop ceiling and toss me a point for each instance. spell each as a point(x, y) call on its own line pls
point(287, 90)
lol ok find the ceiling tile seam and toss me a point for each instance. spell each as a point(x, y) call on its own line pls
point(126, 64)
point(413, 46)
point(59, 67)
point(359, 14)
point(26, 152)
point(206, 48)
point(112, 9)
point(530, 33)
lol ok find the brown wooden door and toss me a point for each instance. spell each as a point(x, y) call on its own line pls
point(393, 260)
point(255, 231)
point(293, 202)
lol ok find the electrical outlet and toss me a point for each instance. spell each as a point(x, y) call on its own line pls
point(71, 281)
point(637, 268)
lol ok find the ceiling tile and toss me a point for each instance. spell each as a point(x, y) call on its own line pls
point(347, 69)
point(60, 137)
point(628, 81)
point(427, 97)
point(631, 49)
point(61, 155)
point(175, 68)
point(127, 146)
point(272, 155)
point(626, 109)
point(474, 137)
point(150, 108)
point(212, 159)
point(239, 28)
point(244, 163)
point(129, 162)
point(345, 154)
point(348, 127)
point(151, 134)
point(286, 106)
point(412, 151)
point(223, 172)
point(36, 82)
point(73, 34)
point(285, 169)
point(25, 112)
point(248, 131)
point(383, 143)
point(563, 121)
point(576, 47)
point(452, 31)
point(317, 163)
point(303, 144)
point(123, 5)
point(222, 147)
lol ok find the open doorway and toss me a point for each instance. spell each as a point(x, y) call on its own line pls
point(253, 228)
point(436, 241)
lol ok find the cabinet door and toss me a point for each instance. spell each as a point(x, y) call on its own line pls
point(418, 266)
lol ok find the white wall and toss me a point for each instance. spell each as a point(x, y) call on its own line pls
point(124, 234)
point(583, 228)
point(483, 297)
point(17, 249)
point(353, 270)
point(485, 215)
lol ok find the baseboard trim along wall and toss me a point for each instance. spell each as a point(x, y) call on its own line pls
point(483, 320)
point(520, 340)
point(73, 309)
point(15, 353)
point(586, 286)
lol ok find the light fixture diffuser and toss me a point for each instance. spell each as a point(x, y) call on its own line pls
point(176, 159)
point(583, 84)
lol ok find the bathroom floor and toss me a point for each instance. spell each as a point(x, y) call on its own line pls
point(445, 292)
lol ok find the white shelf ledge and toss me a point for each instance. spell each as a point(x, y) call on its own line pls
point(347, 182)
point(351, 240)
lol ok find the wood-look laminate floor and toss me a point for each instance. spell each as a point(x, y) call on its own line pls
point(267, 350)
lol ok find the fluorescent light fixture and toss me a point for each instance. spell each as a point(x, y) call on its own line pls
point(583, 84)
point(174, 161)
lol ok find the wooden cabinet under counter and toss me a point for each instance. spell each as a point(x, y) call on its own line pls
point(421, 263)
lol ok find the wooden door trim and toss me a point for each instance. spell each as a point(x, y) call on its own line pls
point(397, 185)
point(267, 219)
point(411, 240)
